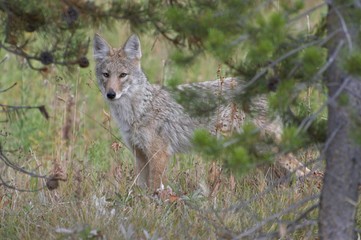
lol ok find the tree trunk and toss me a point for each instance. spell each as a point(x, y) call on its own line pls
point(343, 155)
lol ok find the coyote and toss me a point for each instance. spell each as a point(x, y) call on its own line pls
point(153, 125)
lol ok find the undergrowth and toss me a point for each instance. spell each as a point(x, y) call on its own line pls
point(99, 200)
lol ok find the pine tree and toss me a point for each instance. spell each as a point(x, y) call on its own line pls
point(268, 43)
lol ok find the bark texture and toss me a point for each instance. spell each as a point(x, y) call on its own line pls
point(343, 154)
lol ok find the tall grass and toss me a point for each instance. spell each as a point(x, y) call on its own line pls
point(96, 201)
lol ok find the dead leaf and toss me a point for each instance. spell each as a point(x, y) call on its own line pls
point(173, 198)
point(116, 146)
point(61, 99)
point(167, 195)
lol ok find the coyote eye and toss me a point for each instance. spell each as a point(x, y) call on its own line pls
point(122, 75)
point(105, 74)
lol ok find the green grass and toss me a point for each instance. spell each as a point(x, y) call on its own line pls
point(78, 138)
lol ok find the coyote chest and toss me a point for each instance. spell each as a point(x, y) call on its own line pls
point(146, 114)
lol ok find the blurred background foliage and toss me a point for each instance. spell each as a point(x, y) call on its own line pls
point(276, 47)
point(266, 43)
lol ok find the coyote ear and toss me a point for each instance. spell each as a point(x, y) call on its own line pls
point(101, 48)
point(132, 48)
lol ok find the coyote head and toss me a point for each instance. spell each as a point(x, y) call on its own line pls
point(118, 70)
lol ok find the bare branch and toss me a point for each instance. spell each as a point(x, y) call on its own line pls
point(20, 52)
point(330, 60)
point(303, 216)
point(259, 225)
point(330, 139)
point(6, 89)
point(9, 108)
point(4, 59)
point(276, 234)
point(344, 27)
point(306, 123)
point(305, 13)
point(19, 169)
point(18, 189)
point(287, 55)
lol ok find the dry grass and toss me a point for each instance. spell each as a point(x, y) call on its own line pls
point(96, 201)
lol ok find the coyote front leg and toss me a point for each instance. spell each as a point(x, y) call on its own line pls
point(141, 167)
point(157, 167)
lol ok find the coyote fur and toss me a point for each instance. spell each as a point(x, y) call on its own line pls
point(154, 126)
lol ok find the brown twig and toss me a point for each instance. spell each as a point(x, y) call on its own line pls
point(8, 108)
point(249, 232)
point(6, 89)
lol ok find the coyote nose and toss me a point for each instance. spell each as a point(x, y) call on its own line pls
point(111, 94)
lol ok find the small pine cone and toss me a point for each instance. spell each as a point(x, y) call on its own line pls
point(46, 58)
point(83, 62)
